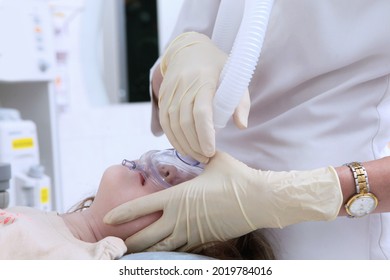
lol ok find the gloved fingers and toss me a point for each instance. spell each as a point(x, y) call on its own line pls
point(241, 114)
point(172, 109)
point(203, 116)
point(182, 121)
point(151, 235)
point(136, 208)
point(221, 159)
point(176, 238)
point(180, 43)
point(164, 104)
point(186, 132)
point(187, 121)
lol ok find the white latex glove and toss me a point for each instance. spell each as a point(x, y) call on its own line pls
point(191, 68)
point(228, 200)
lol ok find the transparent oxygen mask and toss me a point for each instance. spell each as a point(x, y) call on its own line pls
point(165, 168)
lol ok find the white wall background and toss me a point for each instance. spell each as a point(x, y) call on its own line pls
point(93, 138)
point(167, 14)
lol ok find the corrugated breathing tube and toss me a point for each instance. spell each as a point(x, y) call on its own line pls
point(245, 52)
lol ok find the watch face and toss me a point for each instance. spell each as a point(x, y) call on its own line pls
point(361, 205)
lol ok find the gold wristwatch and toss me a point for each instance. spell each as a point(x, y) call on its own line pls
point(363, 202)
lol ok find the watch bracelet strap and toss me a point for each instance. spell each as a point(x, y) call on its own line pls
point(360, 176)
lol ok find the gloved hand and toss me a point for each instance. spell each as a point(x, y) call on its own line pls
point(191, 68)
point(228, 200)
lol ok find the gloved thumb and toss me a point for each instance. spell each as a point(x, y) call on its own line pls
point(136, 208)
point(241, 114)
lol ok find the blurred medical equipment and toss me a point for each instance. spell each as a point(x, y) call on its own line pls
point(5, 176)
point(26, 31)
point(63, 13)
point(165, 168)
point(90, 40)
point(27, 72)
point(33, 188)
point(244, 54)
point(29, 185)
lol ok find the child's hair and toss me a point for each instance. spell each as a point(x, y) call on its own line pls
point(251, 246)
point(84, 204)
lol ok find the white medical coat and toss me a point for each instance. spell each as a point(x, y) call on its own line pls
point(320, 96)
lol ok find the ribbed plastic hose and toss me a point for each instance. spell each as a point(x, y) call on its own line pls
point(238, 71)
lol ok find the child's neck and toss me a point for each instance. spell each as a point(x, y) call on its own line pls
point(85, 225)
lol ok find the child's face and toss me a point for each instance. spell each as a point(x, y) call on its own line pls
point(119, 185)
